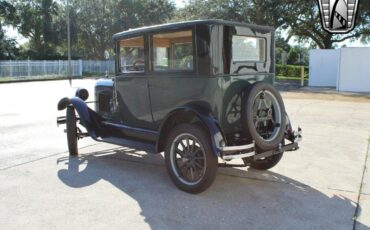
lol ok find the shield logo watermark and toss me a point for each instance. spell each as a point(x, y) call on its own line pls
point(338, 16)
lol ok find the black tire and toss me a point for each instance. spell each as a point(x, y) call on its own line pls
point(264, 164)
point(274, 115)
point(187, 150)
point(71, 131)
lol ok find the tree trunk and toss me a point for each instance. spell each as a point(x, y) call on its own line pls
point(327, 41)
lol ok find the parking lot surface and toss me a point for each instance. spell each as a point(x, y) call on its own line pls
point(324, 185)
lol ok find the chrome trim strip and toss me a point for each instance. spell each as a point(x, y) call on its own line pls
point(238, 156)
point(235, 151)
point(227, 149)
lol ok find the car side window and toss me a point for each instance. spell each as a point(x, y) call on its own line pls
point(131, 55)
point(173, 51)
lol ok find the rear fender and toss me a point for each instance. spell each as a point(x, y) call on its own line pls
point(288, 123)
point(209, 123)
point(288, 129)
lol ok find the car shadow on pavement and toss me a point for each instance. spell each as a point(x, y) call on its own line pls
point(238, 199)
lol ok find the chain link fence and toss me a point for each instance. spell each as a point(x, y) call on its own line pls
point(42, 69)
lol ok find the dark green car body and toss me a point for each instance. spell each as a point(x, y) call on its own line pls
point(197, 91)
point(215, 85)
point(188, 72)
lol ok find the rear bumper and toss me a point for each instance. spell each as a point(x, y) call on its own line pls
point(237, 152)
point(249, 150)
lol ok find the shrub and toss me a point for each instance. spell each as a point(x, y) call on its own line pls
point(291, 71)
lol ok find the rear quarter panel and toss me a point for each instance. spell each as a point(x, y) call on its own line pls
point(234, 89)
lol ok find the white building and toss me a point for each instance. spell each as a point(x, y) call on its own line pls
point(346, 69)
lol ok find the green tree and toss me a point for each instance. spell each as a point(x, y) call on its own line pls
point(300, 18)
point(92, 36)
point(298, 55)
point(236, 10)
point(93, 22)
point(304, 22)
point(36, 21)
point(8, 47)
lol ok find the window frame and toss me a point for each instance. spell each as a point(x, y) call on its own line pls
point(118, 60)
point(177, 71)
point(249, 61)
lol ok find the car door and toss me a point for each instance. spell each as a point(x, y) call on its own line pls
point(173, 82)
point(132, 83)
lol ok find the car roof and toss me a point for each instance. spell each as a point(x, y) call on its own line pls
point(179, 25)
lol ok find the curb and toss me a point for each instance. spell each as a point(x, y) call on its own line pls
point(327, 95)
point(48, 79)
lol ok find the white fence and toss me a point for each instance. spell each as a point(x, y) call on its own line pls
point(34, 69)
point(98, 67)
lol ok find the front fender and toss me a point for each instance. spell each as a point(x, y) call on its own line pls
point(209, 122)
point(82, 110)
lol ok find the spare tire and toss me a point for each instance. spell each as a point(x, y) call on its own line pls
point(263, 116)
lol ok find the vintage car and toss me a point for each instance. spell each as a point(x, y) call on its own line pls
point(199, 91)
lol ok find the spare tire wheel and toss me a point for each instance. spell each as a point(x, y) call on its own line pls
point(263, 116)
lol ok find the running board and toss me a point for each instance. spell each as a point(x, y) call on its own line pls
point(129, 143)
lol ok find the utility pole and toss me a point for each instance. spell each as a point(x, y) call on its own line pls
point(69, 46)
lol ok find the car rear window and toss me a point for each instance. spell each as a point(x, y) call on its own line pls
point(248, 49)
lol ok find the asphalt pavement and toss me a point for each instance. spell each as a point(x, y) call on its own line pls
point(28, 114)
point(324, 185)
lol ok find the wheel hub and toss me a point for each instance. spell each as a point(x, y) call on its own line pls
point(189, 158)
point(266, 118)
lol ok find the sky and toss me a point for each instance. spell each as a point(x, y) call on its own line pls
point(180, 3)
point(12, 33)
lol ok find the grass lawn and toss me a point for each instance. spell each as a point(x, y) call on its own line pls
point(281, 78)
